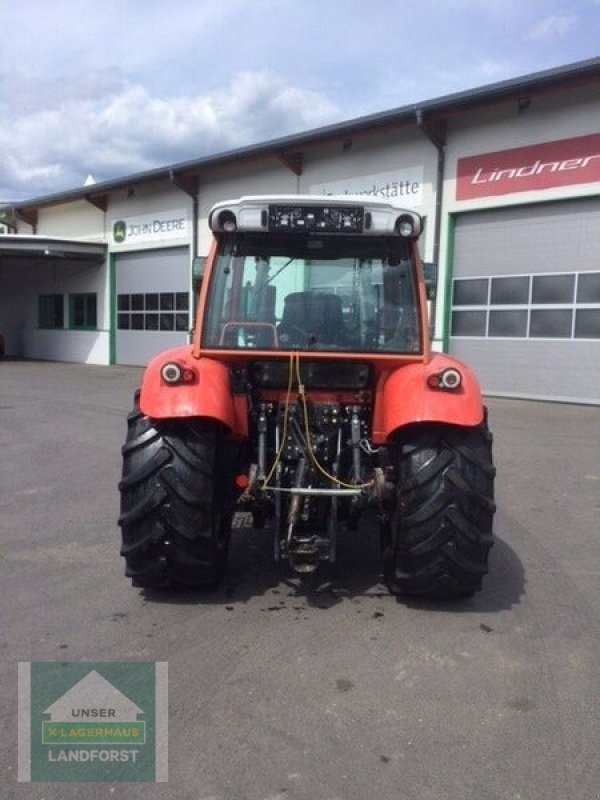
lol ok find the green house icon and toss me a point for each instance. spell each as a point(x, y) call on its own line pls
point(93, 712)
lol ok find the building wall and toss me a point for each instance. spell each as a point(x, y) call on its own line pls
point(537, 223)
point(21, 288)
point(550, 117)
point(384, 160)
point(78, 220)
point(147, 206)
point(150, 228)
point(391, 162)
point(235, 180)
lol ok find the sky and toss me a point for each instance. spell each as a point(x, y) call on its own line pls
point(112, 87)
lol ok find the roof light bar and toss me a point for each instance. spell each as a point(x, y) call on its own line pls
point(324, 219)
point(343, 214)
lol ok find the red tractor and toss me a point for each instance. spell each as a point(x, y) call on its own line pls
point(308, 394)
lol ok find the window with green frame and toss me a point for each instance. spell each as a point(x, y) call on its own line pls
point(51, 311)
point(82, 311)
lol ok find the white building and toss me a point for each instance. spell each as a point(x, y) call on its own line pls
point(507, 177)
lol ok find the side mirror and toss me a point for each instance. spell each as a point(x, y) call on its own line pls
point(198, 267)
point(430, 273)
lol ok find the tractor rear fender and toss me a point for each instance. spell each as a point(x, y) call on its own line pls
point(405, 397)
point(206, 394)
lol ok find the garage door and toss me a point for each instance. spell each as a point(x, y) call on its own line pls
point(153, 301)
point(526, 299)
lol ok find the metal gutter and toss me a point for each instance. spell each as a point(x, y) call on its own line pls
point(439, 145)
point(50, 246)
point(191, 186)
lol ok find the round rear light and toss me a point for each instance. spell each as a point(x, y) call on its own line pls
point(171, 372)
point(450, 378)
point(242, 482)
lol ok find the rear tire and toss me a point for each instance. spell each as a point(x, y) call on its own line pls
point(175, 515)
point(440, 533)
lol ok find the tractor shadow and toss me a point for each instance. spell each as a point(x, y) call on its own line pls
point(252, 572)
point(503, 587)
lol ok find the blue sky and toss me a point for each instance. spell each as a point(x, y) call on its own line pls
point(110, 88)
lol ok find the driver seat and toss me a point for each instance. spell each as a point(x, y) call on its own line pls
point(312, 318)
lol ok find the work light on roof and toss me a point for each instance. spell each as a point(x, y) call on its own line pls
point(405, 225)
point(311, 214)
point(227, 221)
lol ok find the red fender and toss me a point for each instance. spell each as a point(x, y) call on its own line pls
point(209, 395)
point(404, 397)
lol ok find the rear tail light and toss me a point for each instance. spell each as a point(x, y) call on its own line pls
point(242, 482)
point(173, 373)
point(448, 379)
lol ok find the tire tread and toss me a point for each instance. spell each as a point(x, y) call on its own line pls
point(174, 528)
point(440, 533)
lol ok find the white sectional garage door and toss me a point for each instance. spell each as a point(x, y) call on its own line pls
point(526, 299)
point(153, 301)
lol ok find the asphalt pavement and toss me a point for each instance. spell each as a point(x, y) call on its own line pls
point(328, 689)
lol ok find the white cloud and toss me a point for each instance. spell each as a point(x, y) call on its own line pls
point(553, 27)
point(129, 130)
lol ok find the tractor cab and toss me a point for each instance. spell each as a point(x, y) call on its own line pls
point(313, 276)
